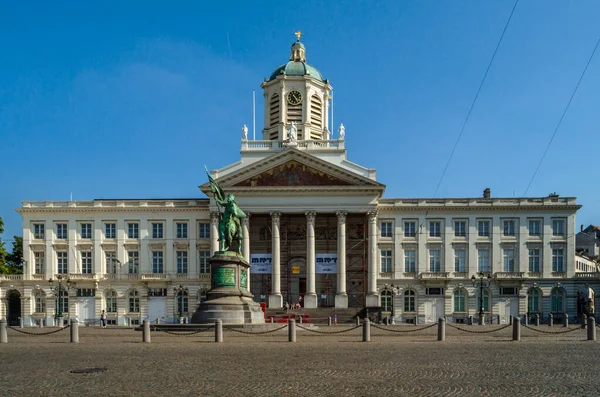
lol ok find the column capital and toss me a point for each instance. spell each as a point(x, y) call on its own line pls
point(372, 215)
point(341, 216)
point(215, 217)
point(275, 217)
point(310, 216)
point(246, 219)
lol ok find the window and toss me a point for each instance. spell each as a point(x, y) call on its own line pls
point(409, 260)
point(86, 262)
point(557, 260)
point(459, 260)
point(435, 229)
point(386, 300)
point(157, 262)
point(157, 292)
point(38, 231)
point(111, 262)
point(133, 230)
point(460, 228)
point(558, 300)
point(386, 229)
point(386, 261)
point(157, 230)
point(534, 260)
point(204, 265)
point(133, 259)
point(508, 227)
point(110, 230)
point(182, 303)
point(181, 230)
point(483, 228)
point(410, 229)
point(134, 302)
point(111, 301)
point(40, 267)
point(459, 300)
point(40, 302)
point(434, 291)
point(435, 261)
point(508, 291)
point(535, 227)
point(86, 230)
point(62, 297)
point(483, 260)
point(485, 302)
point(182, 262)
point(409, 301)
point(509, 260)
point(86, 292)
point(61, 231)
point(558, 227)
point(62, 262)
point(204, 230)
point(533, 301)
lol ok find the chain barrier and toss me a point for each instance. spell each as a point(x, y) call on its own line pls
point(551, 332)
point(188, 333)
point(478, 332)
point(403, 330)
point(39, 333)
point(328, 332)
point(253, 333)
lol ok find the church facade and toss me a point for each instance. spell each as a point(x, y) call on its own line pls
point(319, 232)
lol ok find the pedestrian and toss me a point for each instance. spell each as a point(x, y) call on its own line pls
point(103, 319)
point(335, 319)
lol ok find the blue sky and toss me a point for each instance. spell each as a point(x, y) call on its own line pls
point(130, 99)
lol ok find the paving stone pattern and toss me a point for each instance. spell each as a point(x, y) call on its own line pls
point(316, 365)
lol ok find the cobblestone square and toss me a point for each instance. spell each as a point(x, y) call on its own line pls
point(316, 365)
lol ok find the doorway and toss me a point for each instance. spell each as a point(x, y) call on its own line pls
point(14, 307)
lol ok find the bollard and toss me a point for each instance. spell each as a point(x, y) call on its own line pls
point(583, 321)
point(291, 330)
point(525, 319)
point(591, 328)
point(329, 321)
point(42, 322)
point(566, 321)
point(146, 332)
point(74, 331)
point(510, 320)
point(300, 318)
point(537, 320)
point(366, 330)
point(3, 332)
point(21, 322)
point(481, 320)
point(357, 321)
point(516, 329)
point(218, 330)
point(271, 320)
point(441, 329)
point(550, 320)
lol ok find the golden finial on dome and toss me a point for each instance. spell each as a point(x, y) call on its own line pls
point(298, 35)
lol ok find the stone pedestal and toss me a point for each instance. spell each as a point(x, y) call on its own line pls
point(373, 300)
point(275, 301)
point(229, 299)
point(310, 301)
point(341, 301)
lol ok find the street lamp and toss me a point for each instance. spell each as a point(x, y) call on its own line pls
point(59, 289)
point(482, 282)
point(395, 290)
point(180, 291)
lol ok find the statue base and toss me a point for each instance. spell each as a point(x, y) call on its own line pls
point(229, 299)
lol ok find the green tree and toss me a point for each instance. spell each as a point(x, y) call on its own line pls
point(3, 253)
point(11, 263)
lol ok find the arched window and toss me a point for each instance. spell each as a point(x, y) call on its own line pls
point(273, 114)
point(459, 300)
point(111, 301)
point(409, 301)
point(484, 300)
point(64, 300)
point(40, 302)
point(386, 300)
point(533, 300)
point(134, 301)
point(558, 300)
point(182, 303)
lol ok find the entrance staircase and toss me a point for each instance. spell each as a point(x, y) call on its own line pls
point(319, 315)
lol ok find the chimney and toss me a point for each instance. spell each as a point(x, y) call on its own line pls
point(487, 193)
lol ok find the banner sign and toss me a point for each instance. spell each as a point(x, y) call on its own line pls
point(326, 263)
point(261, 263)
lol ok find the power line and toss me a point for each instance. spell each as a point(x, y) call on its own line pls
point(562, 116)
point(462, 129)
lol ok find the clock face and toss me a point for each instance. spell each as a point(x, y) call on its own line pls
point(294, 97)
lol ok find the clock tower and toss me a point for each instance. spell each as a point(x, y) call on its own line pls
point(296, 93)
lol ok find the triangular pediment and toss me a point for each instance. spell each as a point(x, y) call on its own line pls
point(293, 173)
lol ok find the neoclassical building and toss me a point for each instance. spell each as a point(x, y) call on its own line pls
point(319, 232)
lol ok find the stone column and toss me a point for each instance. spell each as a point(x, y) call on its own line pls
point(310, 297)
point(341, 298)
point(275, 299)
point(246, 242)
point(214, 232)
point(372, 296)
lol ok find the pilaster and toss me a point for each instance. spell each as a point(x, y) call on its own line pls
point(341, 298)
point(275, 299)
point(372, 295)
point(310, 297)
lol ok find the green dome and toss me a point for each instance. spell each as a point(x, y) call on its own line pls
point(297, 68)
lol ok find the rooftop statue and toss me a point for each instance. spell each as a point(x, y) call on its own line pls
point(293, 132)
point(230, 225)
point(342, 131)
point(244, 133)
